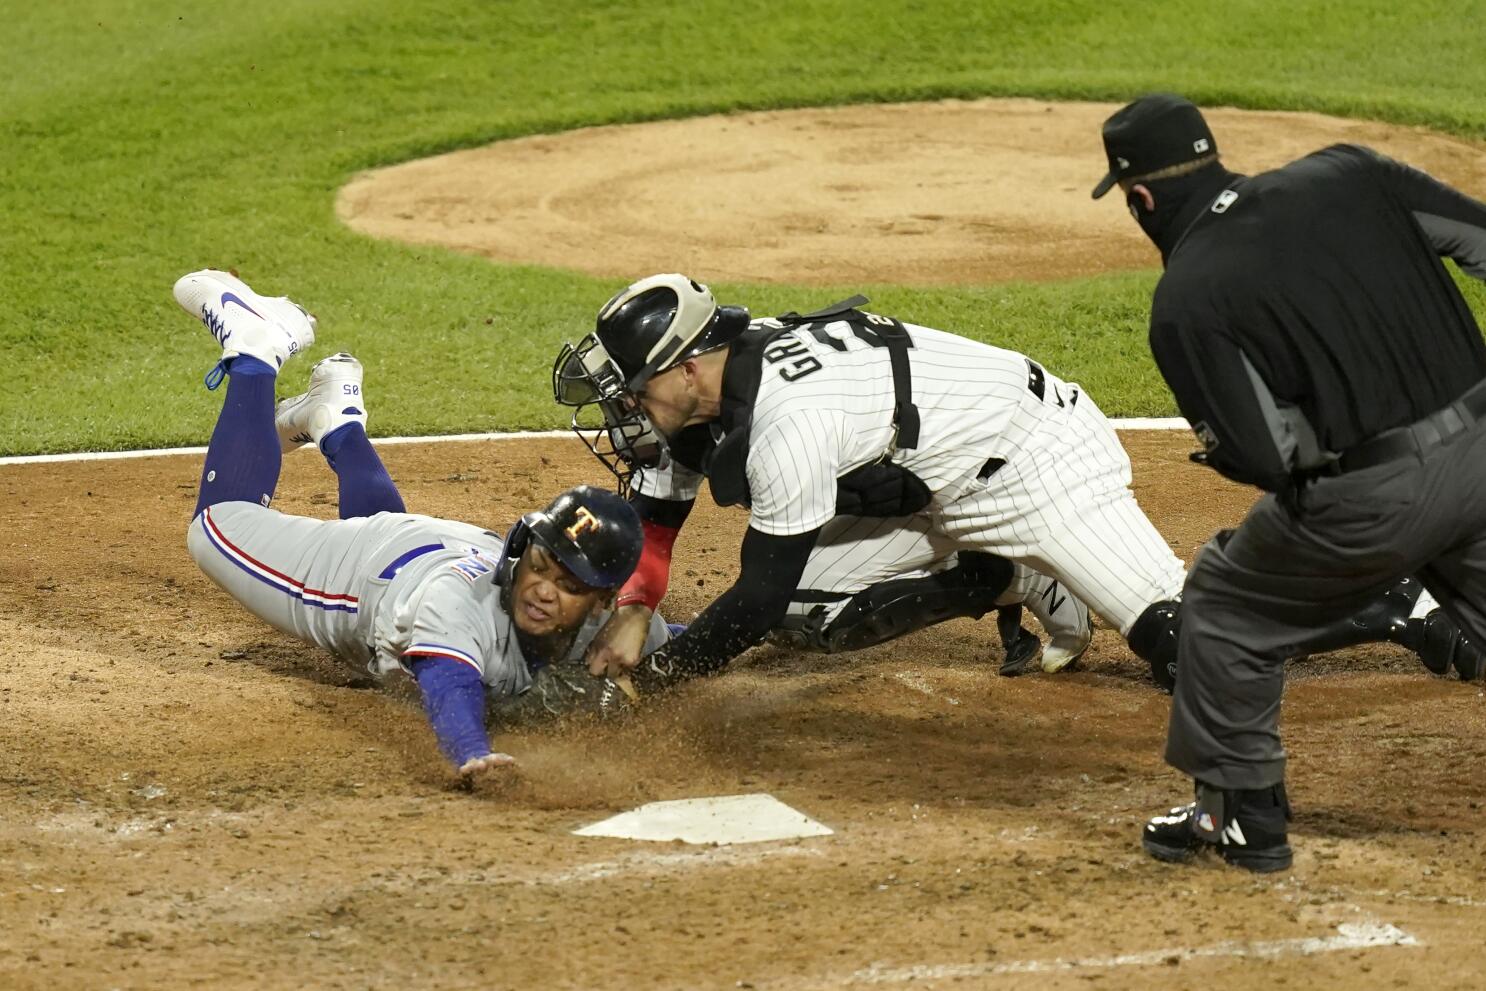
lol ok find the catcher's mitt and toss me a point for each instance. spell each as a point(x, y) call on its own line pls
point(559, 690)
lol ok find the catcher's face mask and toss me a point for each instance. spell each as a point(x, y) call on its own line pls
point(607, 415)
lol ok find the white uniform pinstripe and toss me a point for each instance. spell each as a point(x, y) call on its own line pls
point(1061, 504)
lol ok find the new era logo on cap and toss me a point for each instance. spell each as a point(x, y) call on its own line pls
point(1155, 132)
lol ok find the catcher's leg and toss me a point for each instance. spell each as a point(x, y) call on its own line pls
point(1458, 582)
point(873, 580)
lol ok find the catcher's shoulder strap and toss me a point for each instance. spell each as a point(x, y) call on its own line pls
point(832, 312)
point(727, 461)
point(869, 490)
point(878, 330)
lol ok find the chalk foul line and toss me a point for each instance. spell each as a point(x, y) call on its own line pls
point(1348, 936)
point(1131, 423)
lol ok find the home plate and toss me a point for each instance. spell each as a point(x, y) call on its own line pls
point(721, 820)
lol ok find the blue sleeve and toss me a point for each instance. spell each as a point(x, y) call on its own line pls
point(454, 699)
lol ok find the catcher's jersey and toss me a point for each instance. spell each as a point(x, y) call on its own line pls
point(825, 407)
point(375, 589)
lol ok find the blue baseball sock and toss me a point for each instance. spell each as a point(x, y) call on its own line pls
point(365, 486)
point(243, 459)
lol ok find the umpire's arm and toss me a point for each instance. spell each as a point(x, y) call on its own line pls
point(1226, 402)
point(1454, 223)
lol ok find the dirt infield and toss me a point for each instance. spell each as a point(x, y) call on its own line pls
point(193, 800)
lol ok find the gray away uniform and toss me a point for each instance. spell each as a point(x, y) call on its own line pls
point(376, 589)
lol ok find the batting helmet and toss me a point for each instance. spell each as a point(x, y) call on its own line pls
point(593, 533)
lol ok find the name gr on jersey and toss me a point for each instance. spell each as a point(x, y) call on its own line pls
point(793, 357)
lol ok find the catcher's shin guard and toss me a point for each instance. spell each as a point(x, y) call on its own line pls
point(1441, 645)
point(1153, 638)
point(1434, 637)
point(1387, 618)
point(890, 609)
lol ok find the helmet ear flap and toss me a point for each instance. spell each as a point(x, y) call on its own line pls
point(517, 540)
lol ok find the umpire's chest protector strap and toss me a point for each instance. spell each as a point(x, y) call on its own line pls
point(881, 488)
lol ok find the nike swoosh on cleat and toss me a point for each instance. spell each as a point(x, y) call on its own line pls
point(228, 297)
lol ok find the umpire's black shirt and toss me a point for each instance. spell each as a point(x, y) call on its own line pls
point(1326, 276)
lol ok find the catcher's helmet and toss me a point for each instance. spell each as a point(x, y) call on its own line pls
point(593, 533)
point(659, 322)
point(645, 329)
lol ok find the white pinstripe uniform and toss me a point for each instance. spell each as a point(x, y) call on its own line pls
point(375, 589)
point(1061, 504)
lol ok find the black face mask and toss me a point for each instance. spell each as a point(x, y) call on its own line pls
point(1159, 224)
point(1178, 202)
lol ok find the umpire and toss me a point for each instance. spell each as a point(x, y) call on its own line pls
point(1321, 351)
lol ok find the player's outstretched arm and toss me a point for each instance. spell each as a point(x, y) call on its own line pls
point(490, 762)
point(454, 699)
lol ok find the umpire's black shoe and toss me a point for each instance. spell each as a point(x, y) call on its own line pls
point(1247, 828)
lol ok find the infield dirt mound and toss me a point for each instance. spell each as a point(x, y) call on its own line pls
point(951, 192)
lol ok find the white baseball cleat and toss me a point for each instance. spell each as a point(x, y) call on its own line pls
point(333, 400)
point(270, 328)
point(1064, 618)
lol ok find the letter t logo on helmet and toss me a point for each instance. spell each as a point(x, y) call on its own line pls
point(594, 534)
point(585, 521)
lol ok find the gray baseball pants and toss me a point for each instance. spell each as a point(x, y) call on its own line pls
point(1259, 597)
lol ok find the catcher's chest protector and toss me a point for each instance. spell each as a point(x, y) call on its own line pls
point(880, 489)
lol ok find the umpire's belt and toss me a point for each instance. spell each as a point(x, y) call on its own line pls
point(1439, 427)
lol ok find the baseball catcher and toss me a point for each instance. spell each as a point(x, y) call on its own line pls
point(463, 610)
point(895, 476)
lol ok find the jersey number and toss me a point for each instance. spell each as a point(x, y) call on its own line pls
point(799, 362)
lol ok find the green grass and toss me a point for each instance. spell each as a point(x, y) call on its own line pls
point(140, 139)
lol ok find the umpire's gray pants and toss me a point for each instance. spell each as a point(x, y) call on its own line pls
point(1258, 598)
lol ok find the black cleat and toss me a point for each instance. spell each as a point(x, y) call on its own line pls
point(1023, 648)
point(1250, 835)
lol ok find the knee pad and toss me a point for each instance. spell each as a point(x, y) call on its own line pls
point(1153, 638)
point(1441, 645)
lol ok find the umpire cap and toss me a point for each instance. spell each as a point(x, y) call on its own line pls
point(1155, 132)
point(657, 323)
point(594, 534)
